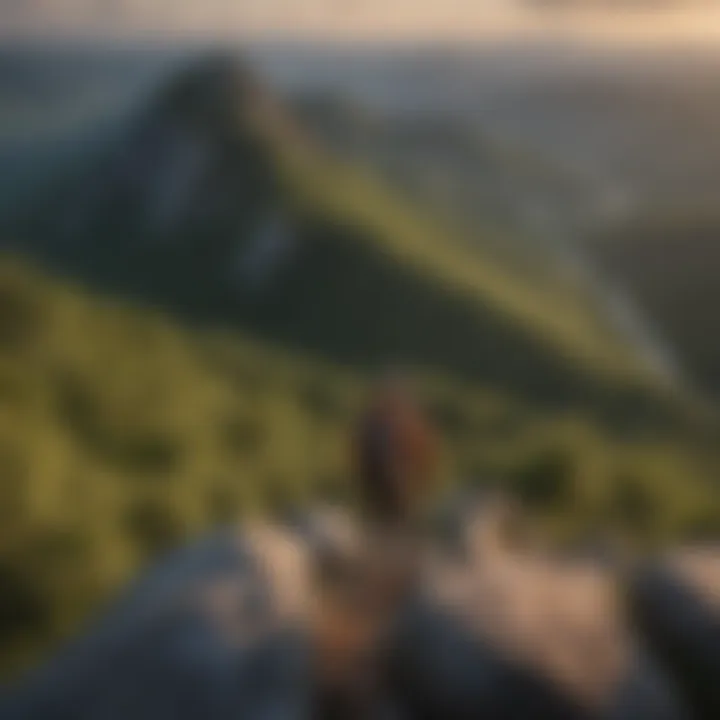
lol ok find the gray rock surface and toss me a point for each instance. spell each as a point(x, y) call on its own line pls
point(676, 603)
point(230, 627)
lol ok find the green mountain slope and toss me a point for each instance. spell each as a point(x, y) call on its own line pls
point(515, 205)
point(215, 205)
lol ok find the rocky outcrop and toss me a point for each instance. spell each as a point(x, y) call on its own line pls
point(306, 620)
point(505, 632)
point(676, 603)
point(206, 633)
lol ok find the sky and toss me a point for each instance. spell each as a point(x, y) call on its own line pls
point(692, 21)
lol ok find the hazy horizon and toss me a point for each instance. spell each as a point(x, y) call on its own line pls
point(359, 21)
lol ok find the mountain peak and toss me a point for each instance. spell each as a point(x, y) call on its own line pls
point(218, 89)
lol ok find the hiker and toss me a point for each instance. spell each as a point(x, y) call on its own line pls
point(396, 456)
point(362, 588)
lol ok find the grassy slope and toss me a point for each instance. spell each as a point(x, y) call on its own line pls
point(121, 435)
point(569, 323)
point(406, 288)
